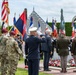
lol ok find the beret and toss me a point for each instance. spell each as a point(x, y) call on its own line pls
point(12, 33)
point(4, 30)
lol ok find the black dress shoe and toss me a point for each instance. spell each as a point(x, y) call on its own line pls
point(74, 71)
point(61, 71)
point(47, 70)
point(65, 71)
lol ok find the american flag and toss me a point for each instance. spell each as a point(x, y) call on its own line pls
point(5, 11)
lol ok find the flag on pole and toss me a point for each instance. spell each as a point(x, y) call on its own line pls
point(72, 24)
point(62, 24)
point(5, 12)
point(31, 21)
point(73, 29)
point(21, 23)
point(54, 28)
point(47, 24)
point(53, 23)
point(73, 32)
point(39, 29)
point(47, 21)
point(14, 22)
point(14, 19)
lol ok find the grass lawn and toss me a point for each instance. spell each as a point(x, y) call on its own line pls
point(21, 60)
point(24, 72)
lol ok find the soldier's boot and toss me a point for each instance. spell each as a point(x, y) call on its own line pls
point(65, 70)
point(62, 70)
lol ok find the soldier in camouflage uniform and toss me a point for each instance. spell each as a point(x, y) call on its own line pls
point(62, 50)
point(3, 52)
point(13, 53)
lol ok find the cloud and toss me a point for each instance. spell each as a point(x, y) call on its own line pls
point(45, 8)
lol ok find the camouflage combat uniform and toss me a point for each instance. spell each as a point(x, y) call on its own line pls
point(13, 55)
point(3, 54)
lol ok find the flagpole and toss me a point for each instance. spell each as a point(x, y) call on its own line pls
point(8, 22)
point(8, 12)
point(6, 18)
point(25, 11)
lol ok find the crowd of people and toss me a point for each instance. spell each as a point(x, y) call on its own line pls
point(46, 43)
point(35, 46)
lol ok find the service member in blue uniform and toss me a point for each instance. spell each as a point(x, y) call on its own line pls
point(46, 48)
point(32, 50)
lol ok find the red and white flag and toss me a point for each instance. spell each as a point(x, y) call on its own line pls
point(73, 32)
point(5, 11)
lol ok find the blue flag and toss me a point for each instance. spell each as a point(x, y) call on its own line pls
point(31, 21)
point(21, 24)
point(53, 23)
point(14, 20)
point(38, 24)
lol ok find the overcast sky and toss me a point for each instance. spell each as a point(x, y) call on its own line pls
point(45, 8)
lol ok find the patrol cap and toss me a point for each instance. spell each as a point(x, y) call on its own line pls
point(12, 33)
point(32, 29)
point(4, 30)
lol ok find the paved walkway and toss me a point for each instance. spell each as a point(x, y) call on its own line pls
point(54, 70)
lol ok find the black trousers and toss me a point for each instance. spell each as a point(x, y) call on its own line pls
point(25, 61)
point(46, 60)
point(33, 66)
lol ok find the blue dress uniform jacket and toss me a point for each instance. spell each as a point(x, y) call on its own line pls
point(31, 48)
point(46, 48)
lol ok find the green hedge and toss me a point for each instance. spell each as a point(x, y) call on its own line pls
point(68, 28)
